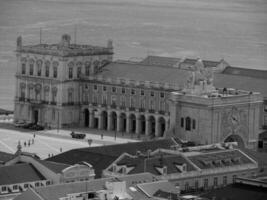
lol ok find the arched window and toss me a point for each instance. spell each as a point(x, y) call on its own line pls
point(187, 124)
point(23, 68)
point(70, 72)
point(47, 66)
point(31, 67)
point(79, 72)
point(39, 67)
point(87, 68)
point(55, 65)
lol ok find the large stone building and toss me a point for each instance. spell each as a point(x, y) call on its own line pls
point(66, 85)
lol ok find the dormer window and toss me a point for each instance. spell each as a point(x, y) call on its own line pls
point(124, 170)
point(114, 168)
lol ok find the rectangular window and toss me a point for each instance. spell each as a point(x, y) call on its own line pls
point(123, 90)
point(142, 92)
point(162, 95)
point(182, 122)
point(133, 91)
point(47, 71)
point(114, 89)
point(234, 178)
point(225, 180)
point(113, 100)
point(26, 185)
point(152, 94)
point(15, 187)
point(23, 70)
point(206, 183)
point(95, 87)
point(4, 188)
point(196, 184)
point(104, 88)
point(215, 182)
point(186, 186)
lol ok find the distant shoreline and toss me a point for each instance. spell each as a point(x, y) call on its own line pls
point(5, 112)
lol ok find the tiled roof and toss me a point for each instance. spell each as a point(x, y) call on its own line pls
point(219, 159)
point(255, 73)
point(159, 189)
point(19, 173)
point(101, 157)
point(54, 192)
point(29, 194)
point(237, 191)
point(5, 157)
point(151, 164)
point(241, 82)
point(54, 166)
point(160, 61)
point(138, 72)
point(166, 195)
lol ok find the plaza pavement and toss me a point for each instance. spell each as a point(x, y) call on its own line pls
point(54, 141)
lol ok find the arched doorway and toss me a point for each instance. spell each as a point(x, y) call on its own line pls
point(123, 122)
point(36, 116)
point(96, 120)
point(113, 121)
point(162, 126)
point(143, 124)
point(152, 122)
point(132, 123)
point(235, 138)
point(86, 117)
point(105, 120)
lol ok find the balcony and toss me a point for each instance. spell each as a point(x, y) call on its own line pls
point(131, 109)
point(151, 111)
point(22, 99)
point(122, 107)
point(142, 110)
point(113, 106)
point(162, 112)
point(53, 103)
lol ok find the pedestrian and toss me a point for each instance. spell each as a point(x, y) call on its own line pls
point(34, 135)
point(49, 155)
point(29, 143)
point(102, 136)
point(32, 141)
point(25, 143)
point(60, 149)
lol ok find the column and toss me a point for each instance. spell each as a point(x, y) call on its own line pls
point(128, 123)
point(91, 119)
point(118, 122)
point(157, 127)
point(138, 125)
point(109, 121)
point(100, 121)
point(148, 131)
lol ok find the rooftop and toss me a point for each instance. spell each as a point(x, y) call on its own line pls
point(139, 72)
point(5, 157)
point(160, 61)
point(254, 73)
point(19, 173)
point(220, 159)
point(100, 158)
point(64, 48)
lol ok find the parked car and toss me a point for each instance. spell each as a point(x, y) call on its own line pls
point(19, 124)
point(77, 135)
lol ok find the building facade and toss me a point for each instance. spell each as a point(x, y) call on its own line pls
point(66, 85)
